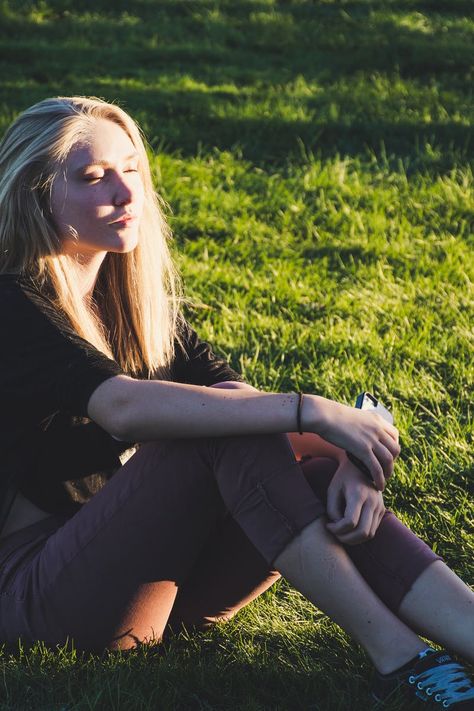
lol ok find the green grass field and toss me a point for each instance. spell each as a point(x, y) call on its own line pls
point(317, 160)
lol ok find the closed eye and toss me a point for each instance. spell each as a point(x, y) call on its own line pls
point(96, 178)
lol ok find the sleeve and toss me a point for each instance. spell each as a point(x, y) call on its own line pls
point(46, 365)
point(198, 364)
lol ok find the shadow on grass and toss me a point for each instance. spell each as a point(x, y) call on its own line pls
point(339, 79)
point(196, 671)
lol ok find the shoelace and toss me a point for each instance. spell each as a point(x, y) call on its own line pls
point(448, 683)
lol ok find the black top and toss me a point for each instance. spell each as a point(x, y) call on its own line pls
point(50, 450)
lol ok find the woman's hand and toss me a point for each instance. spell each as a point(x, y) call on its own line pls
point(354, 507)
point(366, 435)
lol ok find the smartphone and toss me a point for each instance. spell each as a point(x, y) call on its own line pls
point(366, 401)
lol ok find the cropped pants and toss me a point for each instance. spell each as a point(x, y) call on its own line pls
point(184, 533)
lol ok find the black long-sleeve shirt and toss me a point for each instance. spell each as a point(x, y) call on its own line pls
point(50, 450)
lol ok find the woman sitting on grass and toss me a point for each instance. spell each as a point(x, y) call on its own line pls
point(213, 506)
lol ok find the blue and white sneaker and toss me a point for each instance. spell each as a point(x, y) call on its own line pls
point(436, 679)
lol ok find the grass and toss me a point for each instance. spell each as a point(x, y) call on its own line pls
point(317, 161)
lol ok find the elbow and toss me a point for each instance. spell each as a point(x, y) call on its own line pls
point(109, 406)
point(118, 429)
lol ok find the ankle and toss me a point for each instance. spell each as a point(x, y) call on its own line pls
point(397, 657)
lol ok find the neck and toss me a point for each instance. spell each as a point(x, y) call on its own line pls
point(88, 271)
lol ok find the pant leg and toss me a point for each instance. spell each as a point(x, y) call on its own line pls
point(108, 576)
point(229, 573)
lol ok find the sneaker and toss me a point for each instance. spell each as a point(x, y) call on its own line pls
point(435, 679)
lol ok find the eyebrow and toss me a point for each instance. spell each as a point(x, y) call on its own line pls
point(105, 163)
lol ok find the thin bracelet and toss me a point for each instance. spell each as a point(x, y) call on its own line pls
point(298, 414)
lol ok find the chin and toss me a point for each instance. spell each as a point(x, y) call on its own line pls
point(126, 246)
point(132, 246)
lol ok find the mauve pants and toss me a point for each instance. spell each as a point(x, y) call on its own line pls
point(184, 533)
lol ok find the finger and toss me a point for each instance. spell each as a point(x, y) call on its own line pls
point(387, 433)
point(382, 515)
point(392, 430)
point(364, 527)
point(385, 459)
point(351, 539)
point(351, 517)
point(377, 520)
point(335, 503)
point(370, 467)
point(376, 471)
point(392, 446)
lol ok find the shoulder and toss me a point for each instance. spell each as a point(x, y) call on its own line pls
point(24, 305)
point(16, 294)
point(19, 289)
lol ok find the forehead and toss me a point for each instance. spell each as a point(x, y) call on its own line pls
point(104, 142)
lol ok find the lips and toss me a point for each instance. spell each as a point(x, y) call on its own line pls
point(124, 220)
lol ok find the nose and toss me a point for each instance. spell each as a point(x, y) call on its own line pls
point(123, 192)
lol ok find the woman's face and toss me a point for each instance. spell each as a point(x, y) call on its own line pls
point(99, 194)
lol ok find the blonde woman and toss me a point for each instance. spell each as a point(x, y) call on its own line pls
point(134, 499)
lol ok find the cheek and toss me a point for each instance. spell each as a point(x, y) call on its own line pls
point(139, 199)
point(81, 208)
point(65, 206)
point(70, 210)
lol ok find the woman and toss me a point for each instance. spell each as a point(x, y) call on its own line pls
point(212, 506)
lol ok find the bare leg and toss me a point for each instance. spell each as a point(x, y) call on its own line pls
point(440, 606)
point(316, 565)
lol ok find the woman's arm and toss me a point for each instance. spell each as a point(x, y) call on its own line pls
point(306, 444)
point(144, 410)
point(354, 508)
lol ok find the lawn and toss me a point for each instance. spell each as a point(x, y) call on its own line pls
point(316, 157)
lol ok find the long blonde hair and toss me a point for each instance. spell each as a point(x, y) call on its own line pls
point(134, 315)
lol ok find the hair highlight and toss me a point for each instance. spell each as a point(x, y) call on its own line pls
point(134, 314)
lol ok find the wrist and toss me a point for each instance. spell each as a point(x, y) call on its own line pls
point(313, 413)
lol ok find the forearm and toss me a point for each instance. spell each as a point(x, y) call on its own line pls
point(155, 409)
point(304, 444)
